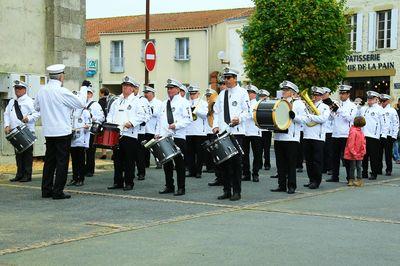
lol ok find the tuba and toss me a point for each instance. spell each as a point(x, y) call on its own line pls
point(311, 108)
point(210, 114)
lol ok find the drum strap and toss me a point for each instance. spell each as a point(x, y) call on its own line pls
point(18, 110)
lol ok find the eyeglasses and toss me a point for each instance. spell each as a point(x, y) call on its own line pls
point(228, 77)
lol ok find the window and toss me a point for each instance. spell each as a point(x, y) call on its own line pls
point(352, 35)
point(117, 57)
point(182, 49)
point(143, 46)
point(383, 34)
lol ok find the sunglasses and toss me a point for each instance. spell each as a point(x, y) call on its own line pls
point(228, 77)
point(19, 88)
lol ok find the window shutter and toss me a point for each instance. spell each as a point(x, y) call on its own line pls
point(372, 31)
point(359, 32)
point(393, 35)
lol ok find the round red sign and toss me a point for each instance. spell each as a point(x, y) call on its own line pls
point(150, 56)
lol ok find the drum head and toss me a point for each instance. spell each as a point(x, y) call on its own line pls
point(280, 116)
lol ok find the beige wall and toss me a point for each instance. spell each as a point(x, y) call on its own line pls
point(217, 42)
point(193, 71)
point(93, 52)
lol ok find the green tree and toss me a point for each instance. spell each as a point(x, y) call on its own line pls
point(304, 41)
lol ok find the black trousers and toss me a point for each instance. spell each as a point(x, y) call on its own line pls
point(286, 156)
point(140, 158)
point(232, 170)
point(124, 161)
point(387, 149)
point(147, 137)
point(300, 152)
point(373, 147)
point(90, 156)
point(328, 147)
point(256, 147)
point(338, 145)
point(179, 167)
point(55, 161)
point(266, 138)
point(314, 155)
point(195, 155)
point(24, 162)
point(78, 163)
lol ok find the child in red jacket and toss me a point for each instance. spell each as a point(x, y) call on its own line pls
point(355, 150)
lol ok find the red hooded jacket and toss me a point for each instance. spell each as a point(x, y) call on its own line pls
point(355, 146)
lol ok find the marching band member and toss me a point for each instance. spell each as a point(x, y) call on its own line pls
point(97, 116)
point(55, 104)
point(173, 120)
point(342, 121)
point(253, 137)
point(327, 163)
point(375, 128)
point(196, 134)
point(232, 109)
point(80, 142)
point(314, 138)
point(20, 111)
point(144, 104)
point(286, 143)
point(128, 112)
point(266, 136)
point(387, 143)
point(155, 110)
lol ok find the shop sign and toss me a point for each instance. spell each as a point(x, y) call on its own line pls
point(367, 62)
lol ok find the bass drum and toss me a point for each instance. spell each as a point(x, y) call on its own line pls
point(272, 114)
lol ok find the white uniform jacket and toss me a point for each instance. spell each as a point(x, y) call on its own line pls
point(27, 109)
point(55, 104)
point(95, 111)
point(155, 110)
point(393, 118)
point(343, 119)
point(80, 135)
point(125, 110)
point(293, 134)
point(317, 132)
point(239, 106)
point(376, 123)
point(182, 118)
point(198, 127)
point(250, 126)
point(144, 104)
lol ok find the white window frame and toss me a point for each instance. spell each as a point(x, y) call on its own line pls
point(185, 56)
point(352, 38)
point(143, 46)
point(386, 29)
point(117, 60)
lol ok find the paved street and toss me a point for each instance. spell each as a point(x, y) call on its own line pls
point(331, 226)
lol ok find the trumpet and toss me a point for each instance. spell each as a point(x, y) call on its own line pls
point(311, 108)
point(332, 105)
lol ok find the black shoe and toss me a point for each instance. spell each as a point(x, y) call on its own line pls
point(274, 176)
point(332, 180)
point(198, 176)
point(306, 185)
point(267, 168)
point(255, 178)
point(167, 190)
point(128, 187)
point(226, 195)
point(278, 189)
point(246, 178)
point(291, 190)
point(89, 174)
point(388, 174)
point(79, 183)
point(140, 177)
point(15, 179)
point(372, 177)
point(180, 192)
point(215, 183)
point(61, 196)
point(115, 186)
point(72, 183)
point(299, 170)
point(313, 186)
point(235, 197)
point(25, 179)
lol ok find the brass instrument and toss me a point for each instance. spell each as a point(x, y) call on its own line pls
point(194, 109)
point(311, 108)
point(210, 114)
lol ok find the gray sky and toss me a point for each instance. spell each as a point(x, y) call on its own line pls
point(107, 8)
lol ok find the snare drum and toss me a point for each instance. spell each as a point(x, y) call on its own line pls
point(95, 128)
point(163, 149)
point(272, 114)
point(21, 138)
point(222, 148)
point(108, 138)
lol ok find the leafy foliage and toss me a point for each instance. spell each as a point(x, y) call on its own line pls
point(304, 41)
